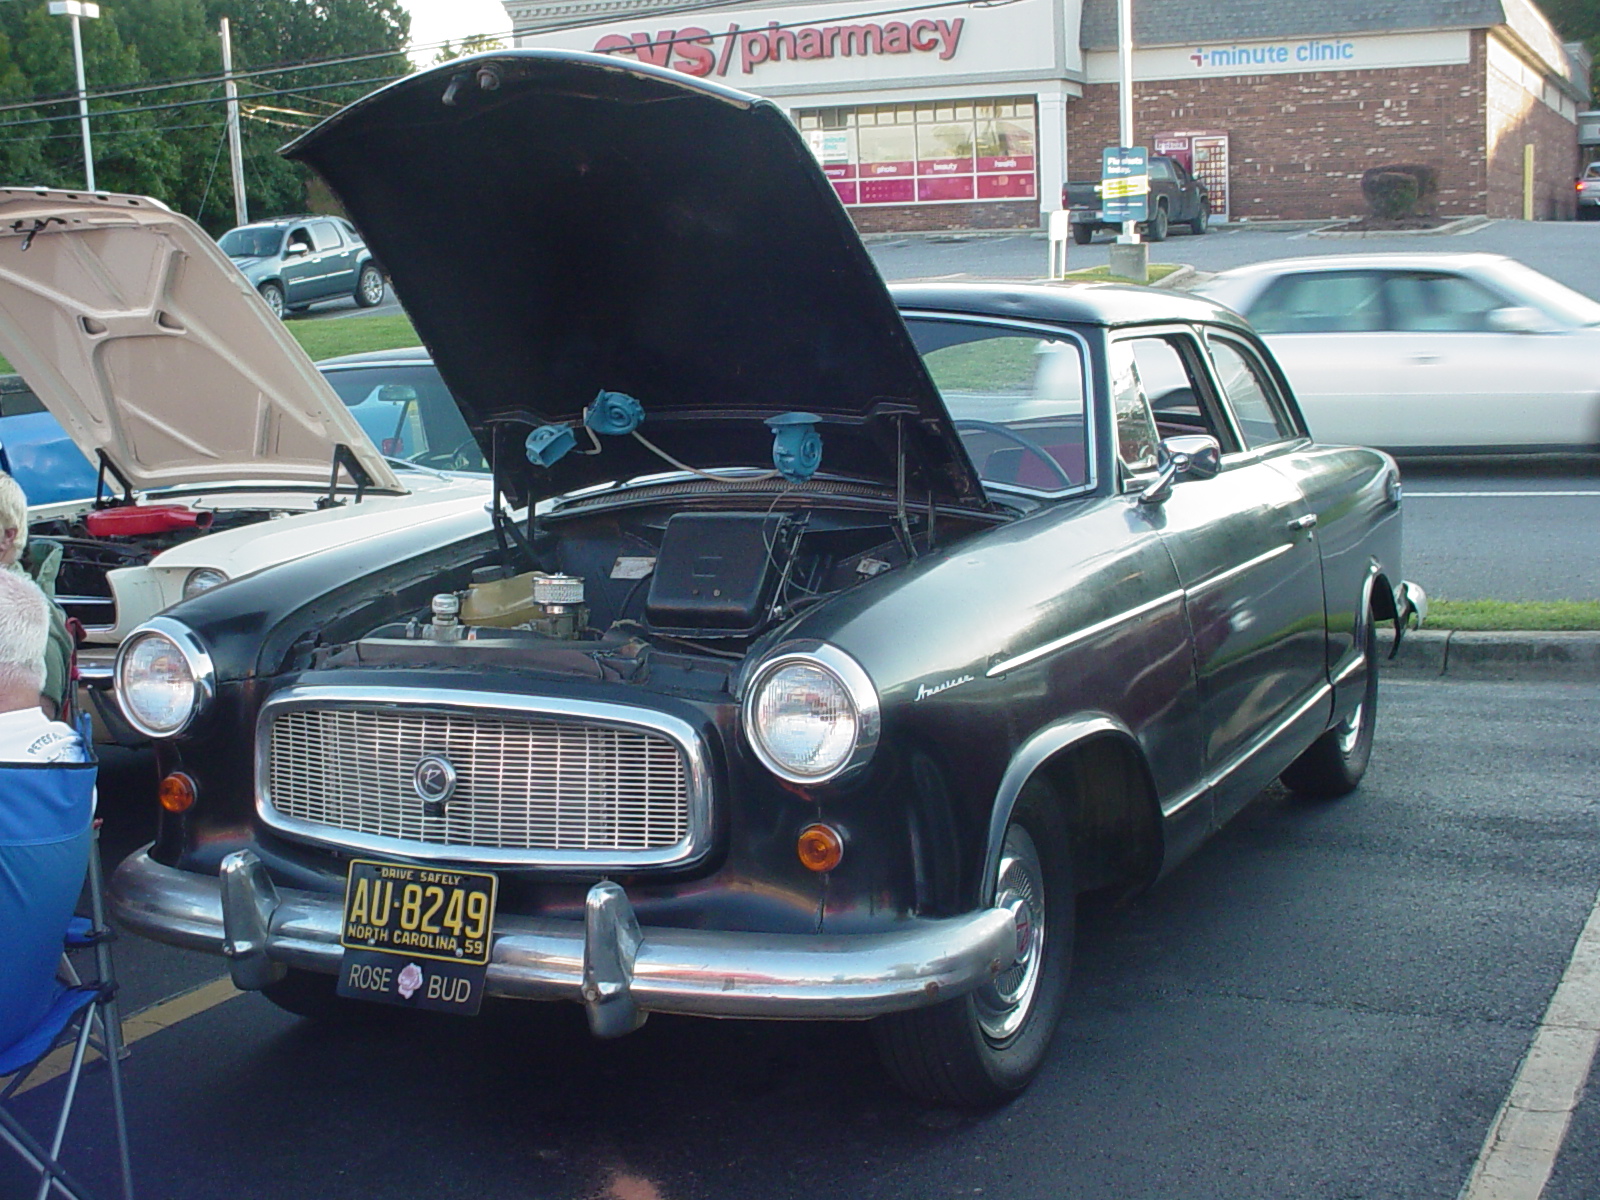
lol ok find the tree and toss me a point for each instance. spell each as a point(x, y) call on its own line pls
point(1578, 21)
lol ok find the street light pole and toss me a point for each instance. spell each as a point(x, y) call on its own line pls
point(77, 10)
point(1130, 229)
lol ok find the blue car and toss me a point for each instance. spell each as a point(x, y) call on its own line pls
point(296, 261)
point(36, 452)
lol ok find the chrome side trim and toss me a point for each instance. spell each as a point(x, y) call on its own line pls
point(1234, 572)
point(1349, 670)
point(1257, 744)
point(694, 845)
point(705, 972)
point(1088, 631)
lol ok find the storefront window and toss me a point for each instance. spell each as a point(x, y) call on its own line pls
point(926, 153)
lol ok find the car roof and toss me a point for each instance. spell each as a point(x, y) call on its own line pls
point(293, 218)
point(406, 354)
point(1078, 303)
point(1413, 260)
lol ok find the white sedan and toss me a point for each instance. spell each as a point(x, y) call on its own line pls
point(1428, 353)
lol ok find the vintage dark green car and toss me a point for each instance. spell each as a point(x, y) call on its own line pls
point(823, 643)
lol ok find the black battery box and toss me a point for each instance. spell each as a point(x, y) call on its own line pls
point(717, 573)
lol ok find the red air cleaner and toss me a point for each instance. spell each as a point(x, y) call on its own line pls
point(141, 520)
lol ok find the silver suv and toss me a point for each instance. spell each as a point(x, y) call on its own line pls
point(296, 261)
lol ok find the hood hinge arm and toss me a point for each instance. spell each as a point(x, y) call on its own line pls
point(106, 464)
point(344, 457)
point(902, 521)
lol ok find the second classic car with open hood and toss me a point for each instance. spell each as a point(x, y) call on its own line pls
point(827, 642)
point(221, 448)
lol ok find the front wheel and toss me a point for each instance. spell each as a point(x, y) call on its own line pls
point(370, 287)
point(1082, 234)
point(1201, 222)
point(1157, 228)
point(1332, 766)
point(984, 1048)
point(273, 295)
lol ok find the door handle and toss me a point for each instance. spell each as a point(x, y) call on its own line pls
point(1424, 359)
point(1308, 521)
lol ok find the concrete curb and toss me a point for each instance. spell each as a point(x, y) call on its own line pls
point(1459, 225)
point(1455, 654)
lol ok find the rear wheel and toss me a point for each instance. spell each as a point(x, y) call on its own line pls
point(1332, 766)
point(984, 1048)
point(1083, 234)
point(370, 287)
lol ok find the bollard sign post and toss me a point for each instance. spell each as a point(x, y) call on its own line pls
point(1125, 183)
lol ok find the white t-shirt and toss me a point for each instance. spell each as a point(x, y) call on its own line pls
point(28, 736)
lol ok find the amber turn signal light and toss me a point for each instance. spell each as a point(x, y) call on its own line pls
point(821, 847)
point(177, 793)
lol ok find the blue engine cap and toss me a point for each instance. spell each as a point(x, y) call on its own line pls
point(547, 444)
point(614, 413)
point(796, 445)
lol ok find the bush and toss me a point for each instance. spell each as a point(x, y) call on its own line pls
point(1390, 194)
point(1402, 190)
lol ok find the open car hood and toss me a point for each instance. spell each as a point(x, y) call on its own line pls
point(558, 224)
point(144, 341)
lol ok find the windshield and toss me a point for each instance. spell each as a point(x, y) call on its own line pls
point(260, 242)
point(409, 414)
point(1540, 291)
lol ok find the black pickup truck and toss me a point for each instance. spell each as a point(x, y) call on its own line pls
point(1176, 198)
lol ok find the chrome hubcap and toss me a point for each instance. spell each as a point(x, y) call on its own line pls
point(1004, 1004)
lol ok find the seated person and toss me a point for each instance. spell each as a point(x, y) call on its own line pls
point(27, 735)
point(41, 568)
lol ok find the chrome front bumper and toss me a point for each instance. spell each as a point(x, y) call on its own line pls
point(616, 969)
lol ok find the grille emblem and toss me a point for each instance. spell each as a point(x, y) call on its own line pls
point(434, 781)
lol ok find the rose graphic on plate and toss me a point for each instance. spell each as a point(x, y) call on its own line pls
point(409, 980)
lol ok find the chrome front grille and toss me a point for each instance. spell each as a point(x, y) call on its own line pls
point(532, 787)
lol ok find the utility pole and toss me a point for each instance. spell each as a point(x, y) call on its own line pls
point(241, 209)
point(1130, 229)
point(80, 9)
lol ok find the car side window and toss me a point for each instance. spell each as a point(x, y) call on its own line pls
point(1321, 302)
point(1142, 371)
point(1248, 390)
point(1435, 302)
point(324, 236)
point(300, 237)
point(1017, 399)
point(1160, 169)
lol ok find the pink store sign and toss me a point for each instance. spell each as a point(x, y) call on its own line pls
point(697, 51)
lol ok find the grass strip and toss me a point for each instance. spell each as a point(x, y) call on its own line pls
point(333, 336)
point(1103, 274)
point(1501, 616)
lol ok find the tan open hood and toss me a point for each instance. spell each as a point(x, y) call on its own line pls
point(146, 343)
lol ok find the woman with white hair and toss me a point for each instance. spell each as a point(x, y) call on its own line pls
point(13, 544)
point(26, 734)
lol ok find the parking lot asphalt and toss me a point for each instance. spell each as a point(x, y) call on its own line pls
point(1328, 1001)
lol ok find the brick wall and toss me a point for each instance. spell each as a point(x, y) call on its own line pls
point(894, 218)
point(1299, 143)
point(1516, 118)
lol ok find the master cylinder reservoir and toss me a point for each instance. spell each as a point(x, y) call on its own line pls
point(549, 604)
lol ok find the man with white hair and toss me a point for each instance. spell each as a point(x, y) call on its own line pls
point(13, 543)
point(26, 734)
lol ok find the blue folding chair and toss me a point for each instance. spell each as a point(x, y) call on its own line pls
point(47, 849)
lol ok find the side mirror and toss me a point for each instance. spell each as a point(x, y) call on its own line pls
point(298, 250)
point(1193, 456)
point(1517, 319)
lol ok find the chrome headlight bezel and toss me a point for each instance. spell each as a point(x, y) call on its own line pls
point(196, 659)
point(858, 690)
point(199, 581)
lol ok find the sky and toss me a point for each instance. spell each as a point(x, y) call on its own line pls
point(434, 21)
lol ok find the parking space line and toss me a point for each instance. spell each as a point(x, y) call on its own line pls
point(1522, 1145)
point(1411, 495)
point(142, 1024)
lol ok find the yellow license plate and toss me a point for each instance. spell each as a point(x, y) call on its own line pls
point(435, 913)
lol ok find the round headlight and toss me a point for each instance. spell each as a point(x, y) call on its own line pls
point(202, 579)
point(163, 678)
point(812, 715)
